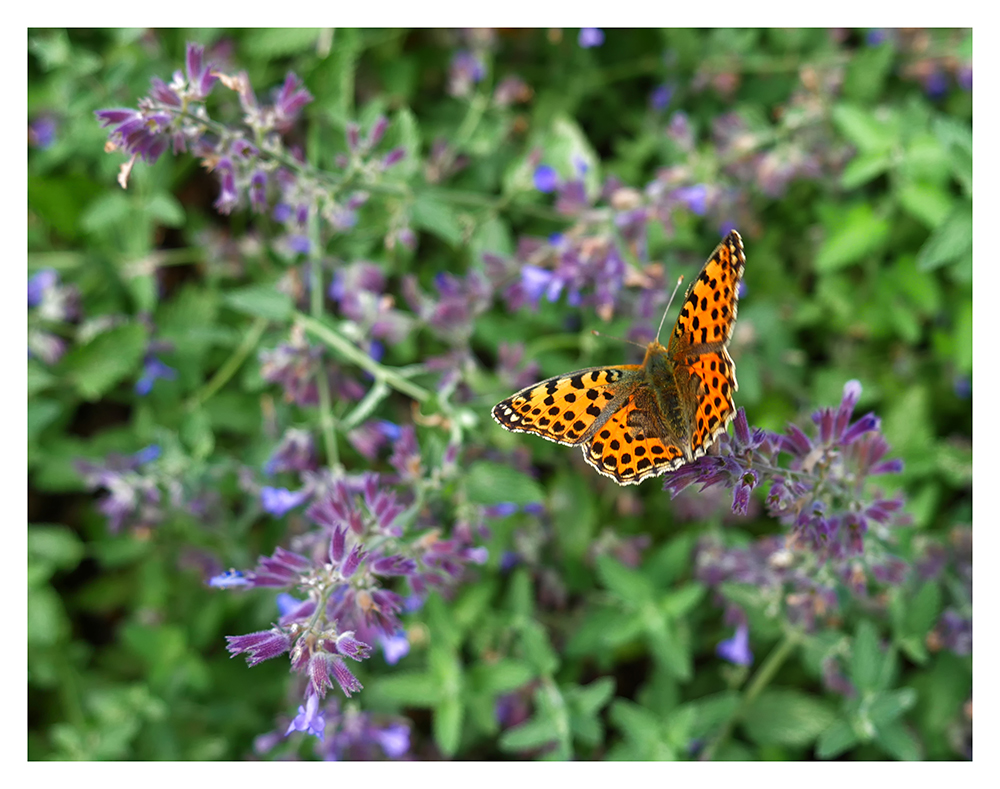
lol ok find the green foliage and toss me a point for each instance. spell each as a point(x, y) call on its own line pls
point(601, 636)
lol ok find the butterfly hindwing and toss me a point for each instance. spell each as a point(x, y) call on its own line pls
point(715, 410)
point(625, 453)
point(561, 409)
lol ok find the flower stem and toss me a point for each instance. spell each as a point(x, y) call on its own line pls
point(349, 352)
point(231, 365)
point(760, 681)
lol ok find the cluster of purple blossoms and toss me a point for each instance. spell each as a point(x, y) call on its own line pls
point(296, 364)
point(840, 532)
point(343, 568)
point(252, 163)
point(51, 307)
point(133, 496)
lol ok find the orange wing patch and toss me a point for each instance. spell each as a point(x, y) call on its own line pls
point(716, 410)
point(628, 456)
point(709, 309)
point(562, 408)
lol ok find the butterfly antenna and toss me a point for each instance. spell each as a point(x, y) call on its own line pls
point(597, 333)
point(680, 279)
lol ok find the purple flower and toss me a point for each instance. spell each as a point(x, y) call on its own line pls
point(736, 649)
point(291, 98)
point(42, 281)
point(310, 719)
point(152, 370)
point(964, 77)
point(229, 580)
point(199, 75)
point(395, 647)
point(936, 84)
point(875, 36)
point(694, 197)
point(42, 131)
point(590, 37)
point(661, 96)
point(546, 179)
point(294, 453)
point(260, 646)
point(278, 501)
point(466, 70)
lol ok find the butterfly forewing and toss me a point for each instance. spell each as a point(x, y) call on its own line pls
point(561, 409)
point(701, 335)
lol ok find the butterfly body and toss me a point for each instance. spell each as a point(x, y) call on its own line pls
point(639, 421)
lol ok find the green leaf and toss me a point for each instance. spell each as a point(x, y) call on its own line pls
point(863, 168)
point(47, 621)
point(448, 725)
point(925, 159)
point(866, 658)
point(261, 301)
point(39, 379)
point(868, 132)
point(410, 688)
point(42, 413)
point(277, 42)
point(628, 585)
point(867, 71)
point(503, 676)
point(496, 483)
point(923, 610)
point(437, 217)
point(782, 716)
point(491, 236)
point(670, 647)
point(834, 741)
point(711, 711)
point(963, 338)
point(856, 236)
point(538, 650)
point(926, 202)
point(94, 368)
point(54, 545)
point(899, 743)
point(888, 706)
point(111, 209)
point(165, 209)
point(677, 604)
point(950, 242)
point(196, 432)
point(589, 699)
point(535, 733)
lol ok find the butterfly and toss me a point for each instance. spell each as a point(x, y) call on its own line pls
point(636, 421)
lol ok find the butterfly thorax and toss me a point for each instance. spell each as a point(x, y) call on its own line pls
point(668, 384)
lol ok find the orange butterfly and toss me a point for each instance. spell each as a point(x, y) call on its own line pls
point(638, 421)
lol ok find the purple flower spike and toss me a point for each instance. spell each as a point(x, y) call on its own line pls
point(200, 78)
point(378, 131)
point(290, 100)
point(736, 649)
